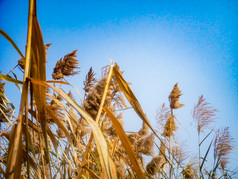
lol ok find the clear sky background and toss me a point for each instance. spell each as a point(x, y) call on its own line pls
point(157, 43)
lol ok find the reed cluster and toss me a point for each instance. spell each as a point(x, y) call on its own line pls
point(55, 135)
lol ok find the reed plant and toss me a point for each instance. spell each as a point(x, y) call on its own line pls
point(56, 136)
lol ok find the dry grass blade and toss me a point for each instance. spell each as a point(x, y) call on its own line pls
point(132, 99)
point(7, 78)
point(4, 34)
point(130, 96)
point(204, 159)
point(2, 171)
point(14, 153)
point(125, 142)
point(34, 54)
point(91, 172)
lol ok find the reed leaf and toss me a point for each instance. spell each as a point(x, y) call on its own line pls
point(4, 34)
point(126, 143)
point(13, 169)
point(133, 100)
point(204, 159)
point(10, 79)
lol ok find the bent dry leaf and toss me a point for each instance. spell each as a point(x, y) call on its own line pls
point(7, 78)
point(4, 34)
point(125, 142)
point(132, 99)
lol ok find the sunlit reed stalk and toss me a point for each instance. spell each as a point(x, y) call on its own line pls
point(170, 125)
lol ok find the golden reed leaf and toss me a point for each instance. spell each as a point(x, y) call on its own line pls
point(126, 143)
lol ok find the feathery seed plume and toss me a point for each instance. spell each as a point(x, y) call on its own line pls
point(144, 130)
point(170, 127)
point(203, 113)
point(65, 67)
point(162, 115)
point(174, 98)
point(153, 166)
point(145, 145)
point(223, 146)
point(21, 61)
point(89, 81)
point(188, 172)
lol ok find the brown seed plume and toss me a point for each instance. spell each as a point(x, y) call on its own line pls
point(162, 115)
point(153, 166)
point(21, 61)
point(170, 127)
point(66, 66)
point(174, 98)
point(90, 81)
point(188, 172)
point(203, 113)
point(223, 146)
point(145, 145)
point(144, 130)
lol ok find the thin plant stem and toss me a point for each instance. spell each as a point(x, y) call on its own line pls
point(11, 69)
point(199, 153)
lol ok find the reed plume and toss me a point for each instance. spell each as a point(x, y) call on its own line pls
point(145, 145)
point(90, 81)
point(93, 99)
point(170, 127)
point(203, 114)
point(144, 130)
point(162, 115)
point(66, 66)
point(223, 146)
point(188, 172)
point(21, 61)
point(174, 98)
point(154, 165)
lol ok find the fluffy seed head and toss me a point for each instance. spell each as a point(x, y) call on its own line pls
point(145, 145)
point(170, 127)
point(66, 66)
point(153, 166)
point(188, 172)
point(223, 146)
point(144, 130)
point(203, 114)
point(174, 98)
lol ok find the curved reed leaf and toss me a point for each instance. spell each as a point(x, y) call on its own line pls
point(126, 143)
point(4, 34)
point(7, 78)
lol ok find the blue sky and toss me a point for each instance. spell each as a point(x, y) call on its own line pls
point(156, 43)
